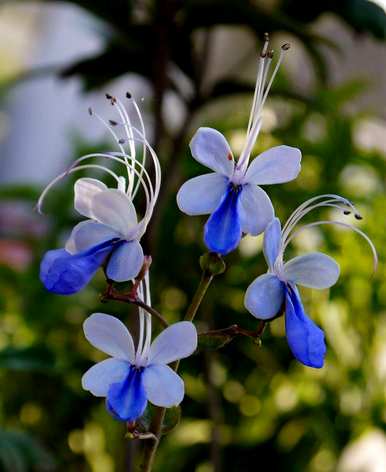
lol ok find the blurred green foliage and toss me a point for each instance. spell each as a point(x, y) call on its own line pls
point(250, 404)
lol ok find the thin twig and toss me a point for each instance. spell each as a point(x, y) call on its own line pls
point(236, 330)
point(112, 294)
point(150, 449)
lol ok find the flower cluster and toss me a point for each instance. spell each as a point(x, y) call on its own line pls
point(109, 238)
point(238, 206)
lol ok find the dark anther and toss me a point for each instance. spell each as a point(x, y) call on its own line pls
point(90, 111)
point(286, 46)
point(128, 95)
point(270, 54)
point(121, 141)
point(346, 212)
point(108, 96)
point(358, 216)
point(113, 123)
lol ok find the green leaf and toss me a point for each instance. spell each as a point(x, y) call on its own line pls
point(19, 192)
point(171, 419)
point(363, 16)
point(19, 452)
point(34, 358)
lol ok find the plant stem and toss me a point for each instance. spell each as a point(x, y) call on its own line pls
point(150, 447)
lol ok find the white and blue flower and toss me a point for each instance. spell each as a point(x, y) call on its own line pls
point(232, 195)
point(276, 291)
point(130, 378)
point(110, 236)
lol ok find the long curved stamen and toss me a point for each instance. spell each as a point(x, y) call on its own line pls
point(259, 81)
point(138, 176)
point(128, 126)
point(118, 142)
point(262, 89)
point(65, 174)
point(75, 167)
point(344, 225)
point(144, 341)
point(327, 200)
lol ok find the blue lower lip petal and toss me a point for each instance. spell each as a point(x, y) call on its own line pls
point(223, 229)
point(305, 338)
point(64, 273)
point(127, 400)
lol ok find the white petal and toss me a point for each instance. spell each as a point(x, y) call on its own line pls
point(100, 376)
point(125, 262)
point(175, 342)
point(315, 270)
point(277, 165)
point(256, 210)
point(85, 189)
point(209, 147)
point(114, 208)
point(272, 242)
point(162, 385)
point(202, 195)
point(87, 234)
point(264, 297)
point(109, 335)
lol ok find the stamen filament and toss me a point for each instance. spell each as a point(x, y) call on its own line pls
point(344, 225)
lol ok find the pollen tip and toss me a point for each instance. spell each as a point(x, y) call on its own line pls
point(121, 141)
point(270, 54)
point(128, 95)
point(266, 36)
point(286, 46)
point(90, 112)
point(358, 216)
point(113, 123)
point(108, 96)
point(346, 212)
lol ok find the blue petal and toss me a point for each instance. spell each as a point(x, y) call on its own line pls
point(272, 241)
point(127, 400)
point(223, 229)
point(265, 296)
point(125, 262)
point(305, 339)
point(66, 274)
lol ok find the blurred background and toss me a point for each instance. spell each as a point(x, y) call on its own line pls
point(194, 64)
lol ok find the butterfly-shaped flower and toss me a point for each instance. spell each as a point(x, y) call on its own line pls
point(232, 194)
point(111, 234)
point(129, 378)
point(275, 291)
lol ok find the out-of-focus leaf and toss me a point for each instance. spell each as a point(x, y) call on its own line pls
point(19, 192)
point(19, 452)
point(212, 342)
point(116, 13)
point(116, 60)
point(35, 358)
point(171, 419)
point(363, 16)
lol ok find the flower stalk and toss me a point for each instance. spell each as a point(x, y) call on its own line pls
point(211, 264)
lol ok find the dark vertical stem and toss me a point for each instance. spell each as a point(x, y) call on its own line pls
point(215, 412)
point(150, 447)
point(172, 168)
